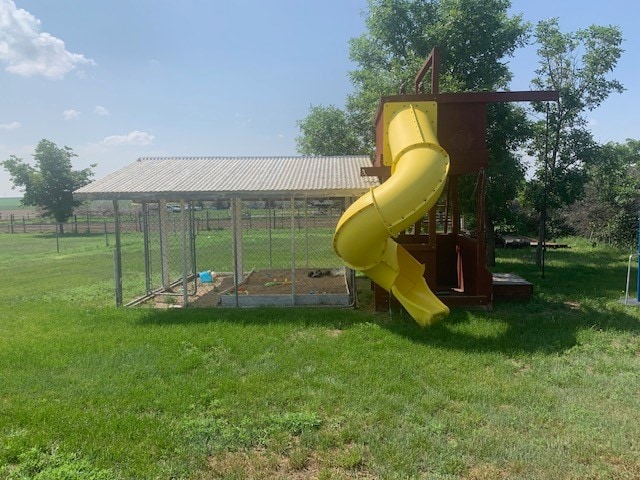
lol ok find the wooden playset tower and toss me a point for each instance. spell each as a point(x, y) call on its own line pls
point(455, 258)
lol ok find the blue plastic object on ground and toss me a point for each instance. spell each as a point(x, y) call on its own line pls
point(206, 277)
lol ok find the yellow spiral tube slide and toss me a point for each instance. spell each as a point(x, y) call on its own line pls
point(363, 236)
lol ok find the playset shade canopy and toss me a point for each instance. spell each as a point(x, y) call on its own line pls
point(204, 178)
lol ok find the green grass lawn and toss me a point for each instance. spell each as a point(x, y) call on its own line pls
point(547, 389)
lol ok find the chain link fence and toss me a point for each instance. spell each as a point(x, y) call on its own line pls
point(171, 244)
point(163, 243)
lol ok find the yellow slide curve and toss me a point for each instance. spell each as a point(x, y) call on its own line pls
point(363, 236)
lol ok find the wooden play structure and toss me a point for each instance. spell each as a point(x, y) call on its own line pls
point(455, 259)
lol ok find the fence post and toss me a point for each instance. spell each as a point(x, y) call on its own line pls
point(11, 222)
point(145, 236)
point(270, 237)
point(163, 231)
point(236, 232)
point(183, 224)
point(117, 256)
point(24, 225)
point(293, 250)
point(306, 229)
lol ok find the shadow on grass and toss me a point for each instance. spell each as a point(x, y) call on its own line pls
point(573, 297)
point(538, 326)
point(549, 327)
point(576, 294)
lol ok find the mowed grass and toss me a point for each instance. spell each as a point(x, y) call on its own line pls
point(547, 389)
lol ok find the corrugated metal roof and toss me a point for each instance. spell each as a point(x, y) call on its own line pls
point(173, 178)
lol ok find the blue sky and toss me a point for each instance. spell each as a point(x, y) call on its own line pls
point(122, 79)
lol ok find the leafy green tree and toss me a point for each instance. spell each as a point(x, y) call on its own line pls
point(474, 36)
point(577, 65)
point(326, 131)
point(608, 212)
point(508, 131)
point(51, 182)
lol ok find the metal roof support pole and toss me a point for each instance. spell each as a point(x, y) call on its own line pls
point(293, 250)
point(237, 215)
point(145, 236)
point(183, 231)
point(236, 233)
point(164, 244)
point(306, 229)
point(353, 293)
point(270, 203)
point(193, 232)
point(117, 256)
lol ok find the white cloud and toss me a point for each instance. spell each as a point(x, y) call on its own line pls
point(132, 138)
point(101, 111)
point(29, 52)
point(70, 114)
point(10, 126)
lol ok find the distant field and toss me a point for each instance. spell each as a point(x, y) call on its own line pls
point(12, 203)
point(11, 206)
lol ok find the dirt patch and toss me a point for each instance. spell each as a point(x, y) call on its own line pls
point(278, 282)
point(262, 282)
point(208, 294)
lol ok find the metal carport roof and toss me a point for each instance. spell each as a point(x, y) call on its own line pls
point(198, 178)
